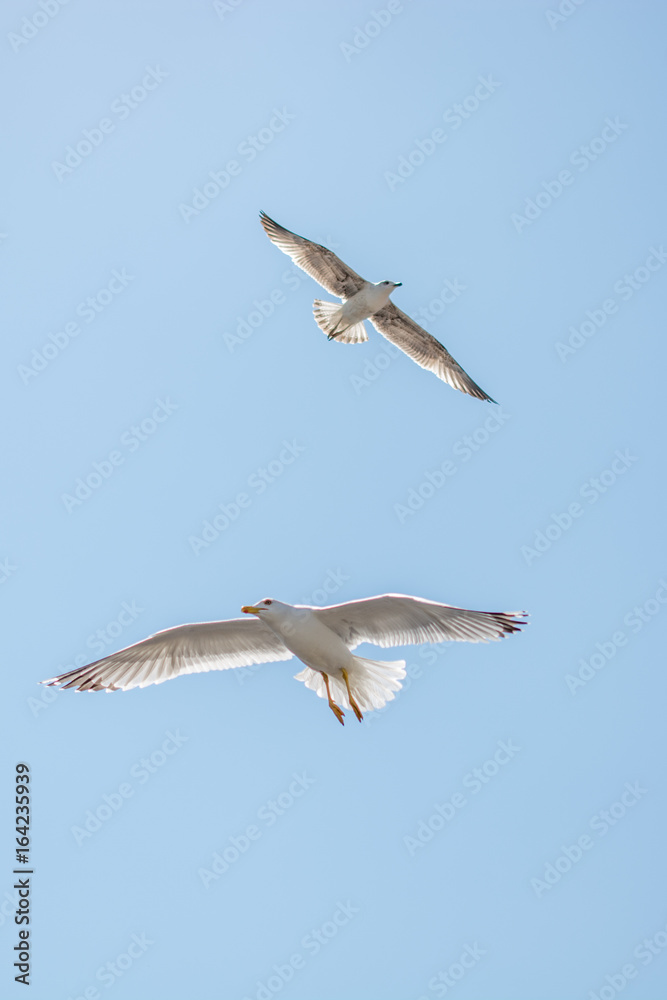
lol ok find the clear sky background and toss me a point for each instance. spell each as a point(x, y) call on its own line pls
point(388, 868)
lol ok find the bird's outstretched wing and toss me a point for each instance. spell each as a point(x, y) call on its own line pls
point(186, 649)
point(321, 264)
point(399, 620)
point(424, 349)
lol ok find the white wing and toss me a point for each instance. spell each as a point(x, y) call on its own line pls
point(428, 352)
point(186, 649)
point(321, 264)
point(399, 620)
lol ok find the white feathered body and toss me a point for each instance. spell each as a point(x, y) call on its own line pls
point(345, 321)
point(372, 682)
point(367, 301)
point(311, 640)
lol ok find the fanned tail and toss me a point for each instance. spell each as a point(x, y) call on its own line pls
point(373, 683)
point(329, 318)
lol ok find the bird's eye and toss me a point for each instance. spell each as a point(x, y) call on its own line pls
point(267, 602)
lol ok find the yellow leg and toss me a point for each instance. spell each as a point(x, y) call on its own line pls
point(336, 709)
point(353, 704)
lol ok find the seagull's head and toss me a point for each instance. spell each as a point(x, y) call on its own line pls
point(268, 608)
point(377, 296)
point(284, 619)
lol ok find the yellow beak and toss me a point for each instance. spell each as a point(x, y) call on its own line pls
point(249, 610)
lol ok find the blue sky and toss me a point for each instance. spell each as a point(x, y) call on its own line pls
point(492, 835)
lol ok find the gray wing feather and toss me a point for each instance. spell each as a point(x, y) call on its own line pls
point(186, 649)
point(321, 264)
point(400, 620)
point(428, 352)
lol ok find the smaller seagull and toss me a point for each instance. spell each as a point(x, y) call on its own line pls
point(364, 300)
point(322, 638)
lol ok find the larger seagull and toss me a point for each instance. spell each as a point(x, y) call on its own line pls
point(322, 638)
point(365, 300)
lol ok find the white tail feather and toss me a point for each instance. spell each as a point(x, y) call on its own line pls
point(373, 683)
point(329, 318)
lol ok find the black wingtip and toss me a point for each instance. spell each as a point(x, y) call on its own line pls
point(479, 393)
point(512, 621)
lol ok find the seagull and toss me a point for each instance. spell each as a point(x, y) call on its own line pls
point(322, 638)
point(364, 300)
